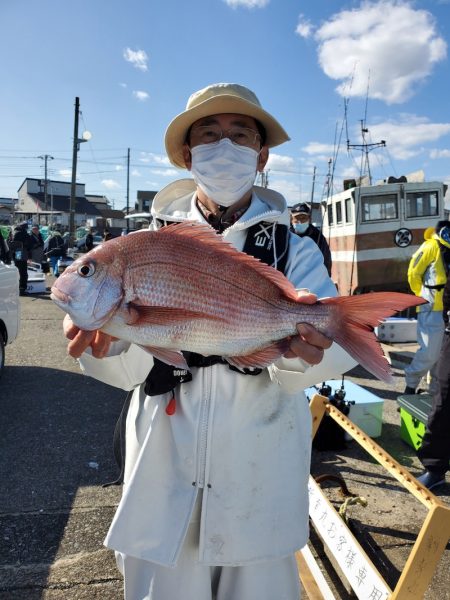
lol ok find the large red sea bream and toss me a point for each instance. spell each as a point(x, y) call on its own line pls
point(184, 288)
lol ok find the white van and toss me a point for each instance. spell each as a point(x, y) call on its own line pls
point(9, 308)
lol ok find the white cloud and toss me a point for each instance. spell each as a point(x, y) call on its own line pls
point(111, 184)
point(165, 172)
point(119, 168)
point(390, 40)
point(136, 173)
point(157, 159)
point(277, 162)
point(406, 136)
point(314, 148)
point(124, 85)
point(436, 153)
point(291, 190)
point(138, 58)
point(66, 173)
point(304, 27)
point(247, 3)
point(140, 95)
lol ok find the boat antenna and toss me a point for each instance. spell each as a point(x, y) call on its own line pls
point(365, 147)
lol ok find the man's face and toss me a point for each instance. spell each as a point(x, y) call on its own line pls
point(300, 218)
point(241, 129)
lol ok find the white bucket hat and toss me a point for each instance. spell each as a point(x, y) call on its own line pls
point(215, 99)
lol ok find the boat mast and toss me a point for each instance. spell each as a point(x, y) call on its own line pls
point(365, 147)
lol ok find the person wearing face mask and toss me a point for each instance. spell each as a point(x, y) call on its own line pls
point(216, 459)
point(301, 224)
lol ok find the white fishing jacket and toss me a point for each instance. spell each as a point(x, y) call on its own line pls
point(245, 440)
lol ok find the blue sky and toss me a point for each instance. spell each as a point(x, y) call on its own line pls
point(134, 63)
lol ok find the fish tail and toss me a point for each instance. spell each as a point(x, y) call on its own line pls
point(354, 319)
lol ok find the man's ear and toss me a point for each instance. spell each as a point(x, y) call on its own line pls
point(263, 157)
point(187, 156)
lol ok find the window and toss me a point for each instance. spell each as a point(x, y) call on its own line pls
point(339, 211)
point(330, 214)
point(421, 204)
point(376, 208)
point(348, 210)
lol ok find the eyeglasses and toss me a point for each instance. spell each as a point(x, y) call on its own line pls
point(210, 134)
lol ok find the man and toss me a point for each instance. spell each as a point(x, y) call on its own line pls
point(426, 277)
point(215, 499)
point(54, 249)
point(37, 245)
point(21, 248)
point(301, 224)
point(89, 241)
point(435, 449)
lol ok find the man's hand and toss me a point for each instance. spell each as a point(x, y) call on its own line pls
point(80, 340)
point(309, 344)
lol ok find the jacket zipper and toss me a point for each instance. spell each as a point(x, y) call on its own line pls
point(203, 432)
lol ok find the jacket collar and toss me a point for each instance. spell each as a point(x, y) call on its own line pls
point(177, 202)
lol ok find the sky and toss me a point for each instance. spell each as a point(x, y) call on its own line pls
point(326, 69)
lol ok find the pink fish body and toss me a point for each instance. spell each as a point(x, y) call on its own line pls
point(184, 288)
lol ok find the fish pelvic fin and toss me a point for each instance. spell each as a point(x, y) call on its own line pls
point(261, 358)
point(355, 318)
point(170, 357)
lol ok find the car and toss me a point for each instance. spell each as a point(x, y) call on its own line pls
point(81, 242)
point(9, 308)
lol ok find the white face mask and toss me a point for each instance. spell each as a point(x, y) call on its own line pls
point(224, 171)
point(301, 227)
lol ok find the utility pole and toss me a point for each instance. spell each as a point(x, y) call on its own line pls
point(128, 189)
point(312, 188)
point(73, 185)
point(45, 157)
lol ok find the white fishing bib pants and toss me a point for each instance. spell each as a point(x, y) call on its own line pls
point(189, 580)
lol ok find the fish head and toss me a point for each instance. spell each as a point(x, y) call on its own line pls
point(90, 289)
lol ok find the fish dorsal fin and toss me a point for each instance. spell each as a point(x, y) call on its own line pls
point(206, 235)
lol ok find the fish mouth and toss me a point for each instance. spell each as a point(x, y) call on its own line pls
point(58, 296)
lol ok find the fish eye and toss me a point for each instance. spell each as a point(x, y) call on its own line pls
point(86, 270)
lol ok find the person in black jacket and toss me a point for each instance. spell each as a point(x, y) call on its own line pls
point(54, 249)
point(301, 224)
point(89, 242)
point(37, 248)
point(435, 450)
point(21, 247)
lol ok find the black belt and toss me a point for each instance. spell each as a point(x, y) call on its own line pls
point(163, 377)
point(438, 287)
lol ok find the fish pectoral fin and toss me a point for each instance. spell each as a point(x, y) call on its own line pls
point(162, 315)
point(261, 358)
point(170, 357)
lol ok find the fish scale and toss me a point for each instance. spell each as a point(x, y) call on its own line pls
point(184, 288)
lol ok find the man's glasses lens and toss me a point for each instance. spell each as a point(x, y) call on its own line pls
point(209, 134)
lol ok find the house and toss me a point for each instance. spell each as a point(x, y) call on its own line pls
point(56, 210)
point(144, 201)
point(111, 219)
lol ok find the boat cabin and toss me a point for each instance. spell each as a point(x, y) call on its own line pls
point(374, 230)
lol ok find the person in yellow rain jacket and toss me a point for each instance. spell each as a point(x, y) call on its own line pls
point(427, 275)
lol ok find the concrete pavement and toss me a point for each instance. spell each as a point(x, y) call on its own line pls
point(56, 431)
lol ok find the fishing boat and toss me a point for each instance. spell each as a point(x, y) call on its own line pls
point(373, 230)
